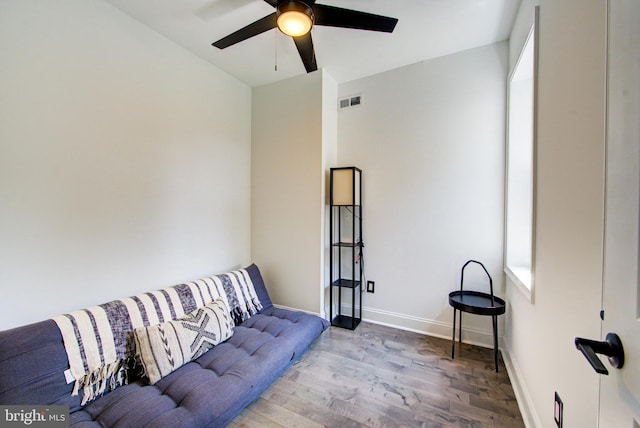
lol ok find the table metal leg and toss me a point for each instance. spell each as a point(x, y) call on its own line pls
point(453, 338)
point(495, 340)
point(460, 329)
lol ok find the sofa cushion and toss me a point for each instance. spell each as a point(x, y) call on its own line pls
point(164, 347)
point(214, 388)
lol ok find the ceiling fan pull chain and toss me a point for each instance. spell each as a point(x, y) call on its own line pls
point(275, 37)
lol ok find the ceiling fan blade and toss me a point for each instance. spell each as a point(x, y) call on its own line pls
point(273, 3)
point(332, 16)
point(258, 27)
point(307, 54)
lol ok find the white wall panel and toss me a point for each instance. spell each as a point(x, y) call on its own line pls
point(569, 225)
point(293, 138)
point(430, 140)
point(124, 160)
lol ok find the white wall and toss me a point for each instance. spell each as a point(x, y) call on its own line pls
point(568, 254)
point(293, 142)
point(430, 140)
point(124, 160)
point(330, 156)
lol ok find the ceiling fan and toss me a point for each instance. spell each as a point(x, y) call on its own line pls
point(296, 17)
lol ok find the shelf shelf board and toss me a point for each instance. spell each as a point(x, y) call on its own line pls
point(346, 283)
point(347, 244)
point(345, 321)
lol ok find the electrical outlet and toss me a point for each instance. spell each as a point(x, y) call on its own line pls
point(558, 410)
point(371, 287)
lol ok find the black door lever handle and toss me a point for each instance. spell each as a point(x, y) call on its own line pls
point(611, 347)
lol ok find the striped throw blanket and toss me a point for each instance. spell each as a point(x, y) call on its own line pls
point(99, 340)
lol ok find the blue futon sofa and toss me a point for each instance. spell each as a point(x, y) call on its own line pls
point(207, 392)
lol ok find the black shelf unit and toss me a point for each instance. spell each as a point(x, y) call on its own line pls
point(345, 255)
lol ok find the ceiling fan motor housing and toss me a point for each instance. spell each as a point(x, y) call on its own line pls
point(295, 7)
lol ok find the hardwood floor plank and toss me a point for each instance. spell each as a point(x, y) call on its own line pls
point(272, 411)
point(377, 376)
point(316, 411)
point(250, 419)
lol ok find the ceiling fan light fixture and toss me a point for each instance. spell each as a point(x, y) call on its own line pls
point(294, 18)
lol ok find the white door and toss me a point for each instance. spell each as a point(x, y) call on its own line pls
point(620, 390)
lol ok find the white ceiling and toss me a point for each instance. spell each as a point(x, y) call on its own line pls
point(426, 29)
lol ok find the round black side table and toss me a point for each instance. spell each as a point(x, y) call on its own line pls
point(478, 303)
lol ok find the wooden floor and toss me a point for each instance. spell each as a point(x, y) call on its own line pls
point(379, 376)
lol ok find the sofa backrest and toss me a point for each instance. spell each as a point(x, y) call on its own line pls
point(258, 284)
point(32, 365)
point(33, 360)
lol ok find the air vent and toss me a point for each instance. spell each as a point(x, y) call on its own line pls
point(352, 101)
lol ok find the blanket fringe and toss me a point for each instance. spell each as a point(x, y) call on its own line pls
point(254, 306)
point(95, 384)
point(237, 316)
point(240, 314)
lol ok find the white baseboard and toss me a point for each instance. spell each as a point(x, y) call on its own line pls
point(426, 326)
point(525, 403)
point(416, 324)
point(298, 310)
